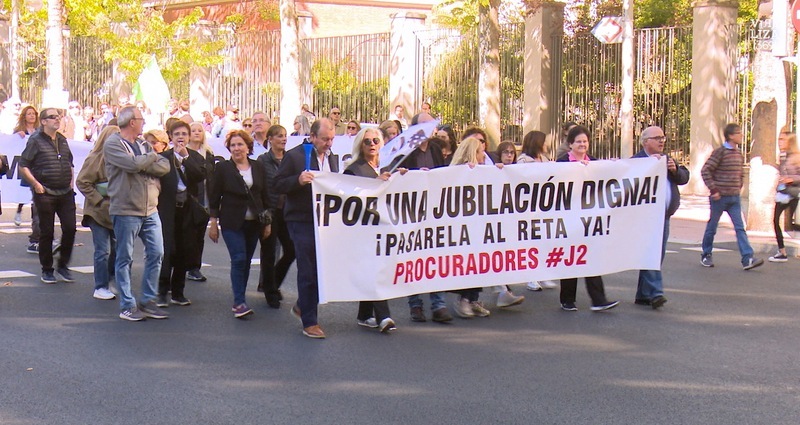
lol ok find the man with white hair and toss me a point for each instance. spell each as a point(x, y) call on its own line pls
point(650, 290)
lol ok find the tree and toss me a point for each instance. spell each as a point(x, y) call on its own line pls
point(55, 45)
point(135, 32)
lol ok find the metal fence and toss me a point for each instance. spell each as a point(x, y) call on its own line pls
point(250, 76)
point(590, 92)
point(351, 73)
point(450, 70)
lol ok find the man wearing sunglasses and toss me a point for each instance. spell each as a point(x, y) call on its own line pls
point(46, 164)
point(336, 117)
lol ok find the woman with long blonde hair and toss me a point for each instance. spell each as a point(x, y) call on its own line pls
point(788, 190)
point(199, 144)
point(93, 183)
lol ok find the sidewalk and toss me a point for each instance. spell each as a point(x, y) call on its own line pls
point(689, 223)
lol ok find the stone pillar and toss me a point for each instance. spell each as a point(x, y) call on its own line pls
point(305, 59)
point(541, 74)
point(712, 76)
point(290, 62)
point(404, 86)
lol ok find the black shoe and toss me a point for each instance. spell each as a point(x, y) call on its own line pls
point(162, 301)
point(273, 300)
point(66, 275)
point(607, 306)
point(642, 301)
point(49, 277)
point(658, 302)
point(196, 276)
point(569, 307)
point(180, 301)
point(260, 288)
point(417, 315)
point(752, 263)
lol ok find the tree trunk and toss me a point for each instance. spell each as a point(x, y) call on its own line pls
point(55, 46)
point(770, 114)
point(489, 79)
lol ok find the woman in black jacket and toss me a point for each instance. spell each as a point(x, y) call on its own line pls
point(238, 196)
point(578, 141)
point(366, 146)
point(274, 272)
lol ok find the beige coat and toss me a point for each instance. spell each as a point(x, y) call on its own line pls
point(95, 205)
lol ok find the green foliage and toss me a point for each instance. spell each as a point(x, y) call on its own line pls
point(336, 84)
point(662, 13)
point(134, 33)
point(235, 19)
point(459, 14)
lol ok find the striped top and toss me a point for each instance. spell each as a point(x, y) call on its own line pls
point(723, 172)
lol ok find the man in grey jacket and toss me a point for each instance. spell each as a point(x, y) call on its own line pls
point(133, 170)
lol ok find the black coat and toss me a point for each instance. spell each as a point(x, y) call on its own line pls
point(228, 199)
point(361, 168)
point(194, 169)
point(299, 205)
point(678, 177)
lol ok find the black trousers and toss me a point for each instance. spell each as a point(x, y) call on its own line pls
point(273, 272)
point(47, 207)
point(594, 286)
point(173, 267)
point(776, 219)
point(377, 309)
point(194, 255)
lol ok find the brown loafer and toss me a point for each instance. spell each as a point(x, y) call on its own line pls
point(314, 332)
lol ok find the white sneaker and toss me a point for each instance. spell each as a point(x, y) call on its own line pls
point(507, 299)
point(369, 323)
point(463, 308)
point(478, 309)
point(548, 284)
point(18, 219)
point(103, 294)
point(534, 286)
point(387, 325)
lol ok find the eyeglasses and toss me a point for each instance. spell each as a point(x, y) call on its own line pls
point(336, 113)
point(509, 152)
point(74, 107)
point(247, 125)
point(658, 138)
point(349, 127)
point(179, 133)
point(370, 142)
point(52, 117)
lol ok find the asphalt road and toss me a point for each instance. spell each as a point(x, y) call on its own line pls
point(724, 350)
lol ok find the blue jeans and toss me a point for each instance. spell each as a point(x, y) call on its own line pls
point(241, 245)
point(302, 234)
point(437, 301)
point(104, 254)
point(127, 228)
point(732, 205)
point(651, 284)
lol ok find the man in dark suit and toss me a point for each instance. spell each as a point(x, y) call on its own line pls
point(650, 290)
point(179, 189)
point(295, 181)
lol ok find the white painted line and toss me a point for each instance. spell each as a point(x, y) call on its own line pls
point(255, 262)
point(700, 249)
point(83, 269)
point(24, 223)
point(15, 231)
point(671, 252)
point(10, 274)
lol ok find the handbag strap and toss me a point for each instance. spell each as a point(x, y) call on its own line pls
point(256, 209)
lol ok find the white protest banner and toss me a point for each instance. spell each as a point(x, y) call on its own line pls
point(406, 142)
point(12, 146)
point(460, 227)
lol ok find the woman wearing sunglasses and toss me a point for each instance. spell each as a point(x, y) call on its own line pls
point(365, 163)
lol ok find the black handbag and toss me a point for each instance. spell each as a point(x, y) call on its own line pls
point(198, 214)
point(264, 217)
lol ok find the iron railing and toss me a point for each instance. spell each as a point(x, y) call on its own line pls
point(351, 73)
